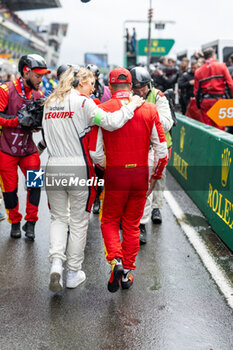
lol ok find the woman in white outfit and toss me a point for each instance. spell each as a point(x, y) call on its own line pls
point(68, 116)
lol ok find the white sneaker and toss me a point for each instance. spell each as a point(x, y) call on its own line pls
point(56, 281)
point(74, 278)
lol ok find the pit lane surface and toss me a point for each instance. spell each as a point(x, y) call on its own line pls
point(174, 303)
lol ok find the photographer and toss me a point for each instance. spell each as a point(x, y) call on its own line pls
point(165, 76)
point(16, 144)
point(158, 77)
point(185, 84)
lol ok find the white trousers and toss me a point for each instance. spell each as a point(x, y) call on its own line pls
point(155, 199)
point(67, 207)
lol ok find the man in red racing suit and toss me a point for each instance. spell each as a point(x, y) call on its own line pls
point(16, 144)
point(210, 83)
point(126, 178)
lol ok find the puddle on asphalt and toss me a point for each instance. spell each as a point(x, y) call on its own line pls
point(196, 221)
point(156, 285)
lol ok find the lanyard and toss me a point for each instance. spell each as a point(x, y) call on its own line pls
point(23, 90)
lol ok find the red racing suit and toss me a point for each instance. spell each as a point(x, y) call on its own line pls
point(210, 82)
point(17, 149)
point(126, 177)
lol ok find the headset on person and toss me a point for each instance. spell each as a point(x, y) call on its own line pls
point(76, 79)
point(63, 68)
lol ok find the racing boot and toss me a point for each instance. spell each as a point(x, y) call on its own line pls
point(156, 216)
point(142, 237)
point(126, 280)
point(15, 230)
point(116, 274)
point(96, 206)
point(29, 228)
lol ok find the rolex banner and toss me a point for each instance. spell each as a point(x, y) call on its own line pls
point(201, 162)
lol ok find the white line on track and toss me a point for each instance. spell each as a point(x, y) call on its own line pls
point(198, 244)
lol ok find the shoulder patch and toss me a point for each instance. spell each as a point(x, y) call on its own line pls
point(4, 87)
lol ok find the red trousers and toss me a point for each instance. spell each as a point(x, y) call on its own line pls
point(9, 184)
point(192, 110)
point(123, 199)
point(206, 104)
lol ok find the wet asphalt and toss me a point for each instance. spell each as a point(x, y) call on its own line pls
point(174, 303)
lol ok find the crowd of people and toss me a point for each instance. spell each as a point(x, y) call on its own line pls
point(118, 134)
point(198, 83)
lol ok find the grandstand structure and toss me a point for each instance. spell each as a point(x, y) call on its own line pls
point(18, 38)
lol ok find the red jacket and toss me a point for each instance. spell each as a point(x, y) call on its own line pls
point(14, 140)
point(129, 146)
point(213, 77)
point(4, 100)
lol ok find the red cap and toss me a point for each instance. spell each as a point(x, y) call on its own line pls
point(120, 75)
point(41, 70)
point(37, 70)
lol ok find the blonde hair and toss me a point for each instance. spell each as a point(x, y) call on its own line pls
point(66, 83)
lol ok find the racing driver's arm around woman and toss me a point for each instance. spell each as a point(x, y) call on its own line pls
point(68, 116)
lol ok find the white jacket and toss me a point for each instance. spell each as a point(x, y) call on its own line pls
point(164, 111)
point(65, 124)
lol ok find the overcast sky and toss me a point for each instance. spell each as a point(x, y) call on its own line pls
point(98, 26)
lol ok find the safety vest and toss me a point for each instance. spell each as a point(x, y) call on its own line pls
point(15, 140)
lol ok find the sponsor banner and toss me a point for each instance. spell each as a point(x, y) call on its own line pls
point(159, 47)
point(201, 162)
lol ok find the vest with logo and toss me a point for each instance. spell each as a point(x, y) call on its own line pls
point(16, 141)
